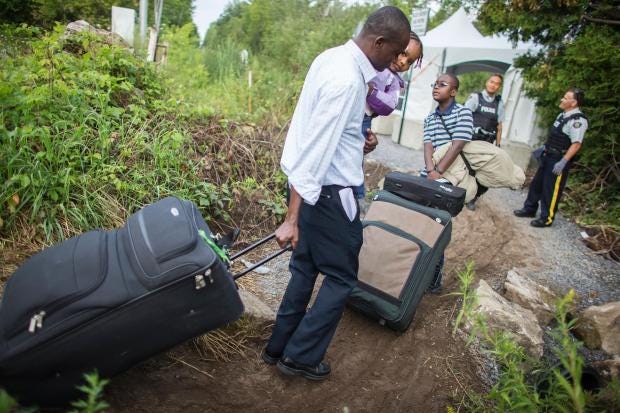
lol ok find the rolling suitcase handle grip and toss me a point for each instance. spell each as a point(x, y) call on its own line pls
point(262, 261)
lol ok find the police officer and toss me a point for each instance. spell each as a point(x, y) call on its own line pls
point(488, 111)
point(558, 154)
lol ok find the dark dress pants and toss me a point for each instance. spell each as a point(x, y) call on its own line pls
point(329, 243)
point(546, 188)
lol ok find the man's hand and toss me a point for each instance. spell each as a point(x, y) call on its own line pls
point(559, 166)
point(433, 175)
point(287, 232)
point(371, 142)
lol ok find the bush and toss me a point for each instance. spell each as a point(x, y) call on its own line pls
point(87, 133)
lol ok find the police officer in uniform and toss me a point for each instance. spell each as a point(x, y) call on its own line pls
point(558, 154)
point(488, 111)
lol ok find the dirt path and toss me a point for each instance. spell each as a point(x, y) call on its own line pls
point(375, 369)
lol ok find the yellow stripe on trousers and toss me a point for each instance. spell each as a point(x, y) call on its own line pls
point(554, 199)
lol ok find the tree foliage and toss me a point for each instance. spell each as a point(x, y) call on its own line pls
point(287, 33)
point(45, 12)
point(579, 46)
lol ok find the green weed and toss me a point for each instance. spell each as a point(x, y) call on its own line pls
point(525, 384)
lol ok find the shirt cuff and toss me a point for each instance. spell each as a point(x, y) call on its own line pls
point(307, 188)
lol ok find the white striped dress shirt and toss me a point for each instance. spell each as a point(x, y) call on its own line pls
point(324, 145)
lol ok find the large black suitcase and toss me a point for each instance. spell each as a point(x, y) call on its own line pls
point(106, 300)
point(403, 242)
point(426, 192)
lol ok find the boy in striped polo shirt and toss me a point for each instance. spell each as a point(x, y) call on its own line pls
point(450, 122)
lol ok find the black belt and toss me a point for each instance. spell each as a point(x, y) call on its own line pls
point(554, 151)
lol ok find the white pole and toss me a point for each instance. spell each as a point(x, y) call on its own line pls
point(152, 46)
point(158, 6)
point(144, 13)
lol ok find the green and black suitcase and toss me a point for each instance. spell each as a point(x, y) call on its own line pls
point(403, 242)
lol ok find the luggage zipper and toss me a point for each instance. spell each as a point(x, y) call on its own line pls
point(397, 231)
point(36, 321)
point(199, 279)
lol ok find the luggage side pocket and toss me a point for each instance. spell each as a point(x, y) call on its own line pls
point(389, 274)
point(162, 242)
point(51, 280)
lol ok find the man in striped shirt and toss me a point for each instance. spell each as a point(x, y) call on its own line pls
point(449, 123)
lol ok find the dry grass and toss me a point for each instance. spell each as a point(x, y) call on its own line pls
point(17, 247)
point(231, 341)
point(604, 240)
point(246, 159)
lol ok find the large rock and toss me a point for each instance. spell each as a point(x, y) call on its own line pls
point(256, 308)
point(607, 369)
point(503, 315)
point(84, 26)
point(531, 295)
point(599, 327)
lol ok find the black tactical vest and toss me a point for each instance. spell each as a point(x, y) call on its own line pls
point(558, 140)
point(485, 116)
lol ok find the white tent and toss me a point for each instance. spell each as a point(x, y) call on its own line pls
point(456, 46)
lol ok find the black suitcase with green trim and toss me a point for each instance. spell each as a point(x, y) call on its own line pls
point(105, 300)
point(403, 243)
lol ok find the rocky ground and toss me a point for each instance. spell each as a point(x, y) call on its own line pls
point(427, 368)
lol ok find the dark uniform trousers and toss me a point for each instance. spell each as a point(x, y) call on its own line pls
point(546, 188)
point(329, 243)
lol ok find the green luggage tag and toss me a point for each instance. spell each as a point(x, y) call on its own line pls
point(222, 253)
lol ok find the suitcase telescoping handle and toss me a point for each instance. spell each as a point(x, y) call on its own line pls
point(262, 261)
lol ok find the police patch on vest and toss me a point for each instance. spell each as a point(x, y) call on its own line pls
point(487, 109)
point(576, 124)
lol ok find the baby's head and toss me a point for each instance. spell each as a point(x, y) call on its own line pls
point(411, 56)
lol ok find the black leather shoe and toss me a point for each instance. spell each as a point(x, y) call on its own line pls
point(290, 368)
point(471, 205)
point(524, 213)
point(269, 358)
point(539, 223)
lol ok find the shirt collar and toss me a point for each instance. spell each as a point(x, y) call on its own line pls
point(487, 96)
point(448, 109)
point(571, 112)
point(368, 71)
